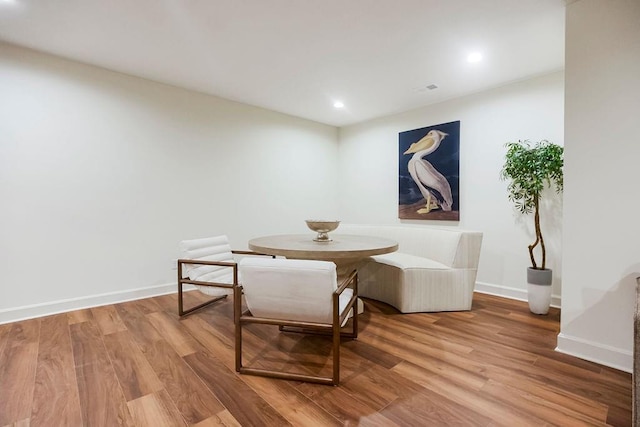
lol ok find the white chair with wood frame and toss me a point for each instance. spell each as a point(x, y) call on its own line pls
point(298, 296)
point(210, 265)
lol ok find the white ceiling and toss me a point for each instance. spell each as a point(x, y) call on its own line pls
point(298, 56)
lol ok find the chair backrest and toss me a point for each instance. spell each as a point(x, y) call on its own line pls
point(288, 289)
point(206, 249)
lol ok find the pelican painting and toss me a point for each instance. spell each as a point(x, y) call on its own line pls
point(428, 175)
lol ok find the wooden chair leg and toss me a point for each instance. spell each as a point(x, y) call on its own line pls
point(183, 312)
point(355, 308)
point(237, 313)
point(336, 354)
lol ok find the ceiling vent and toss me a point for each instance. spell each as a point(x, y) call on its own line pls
point(425, 88)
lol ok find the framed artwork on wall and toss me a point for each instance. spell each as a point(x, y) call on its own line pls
point(429, 173)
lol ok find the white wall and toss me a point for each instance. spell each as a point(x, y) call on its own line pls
point(101, 174)
point(532, 109)
point(601, 228)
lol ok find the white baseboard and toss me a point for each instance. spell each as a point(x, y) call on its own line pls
point(511, 293)
point(594, 352)
point(61, 306)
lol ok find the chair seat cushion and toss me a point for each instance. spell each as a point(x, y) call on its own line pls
point(214, 291)
point(276, 309)
point(405, 261)
point(295, 290)
point(216, 278)
point(345, 296)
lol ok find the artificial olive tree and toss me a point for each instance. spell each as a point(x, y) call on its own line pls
point(529, 167)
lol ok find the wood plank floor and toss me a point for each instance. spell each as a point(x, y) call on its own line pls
point(139, 364)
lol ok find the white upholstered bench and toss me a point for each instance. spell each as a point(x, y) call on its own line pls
point(434, 269)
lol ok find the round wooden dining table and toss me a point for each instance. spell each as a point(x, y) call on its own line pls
point(344, 250)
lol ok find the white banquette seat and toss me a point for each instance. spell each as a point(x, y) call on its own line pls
point(434, 269)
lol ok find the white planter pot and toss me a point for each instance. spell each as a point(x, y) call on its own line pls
point(539, 290)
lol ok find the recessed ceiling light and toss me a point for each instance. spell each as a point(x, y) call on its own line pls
point(338, 104)
point(474, 57)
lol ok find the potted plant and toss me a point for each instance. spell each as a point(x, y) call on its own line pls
point(529, 168)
